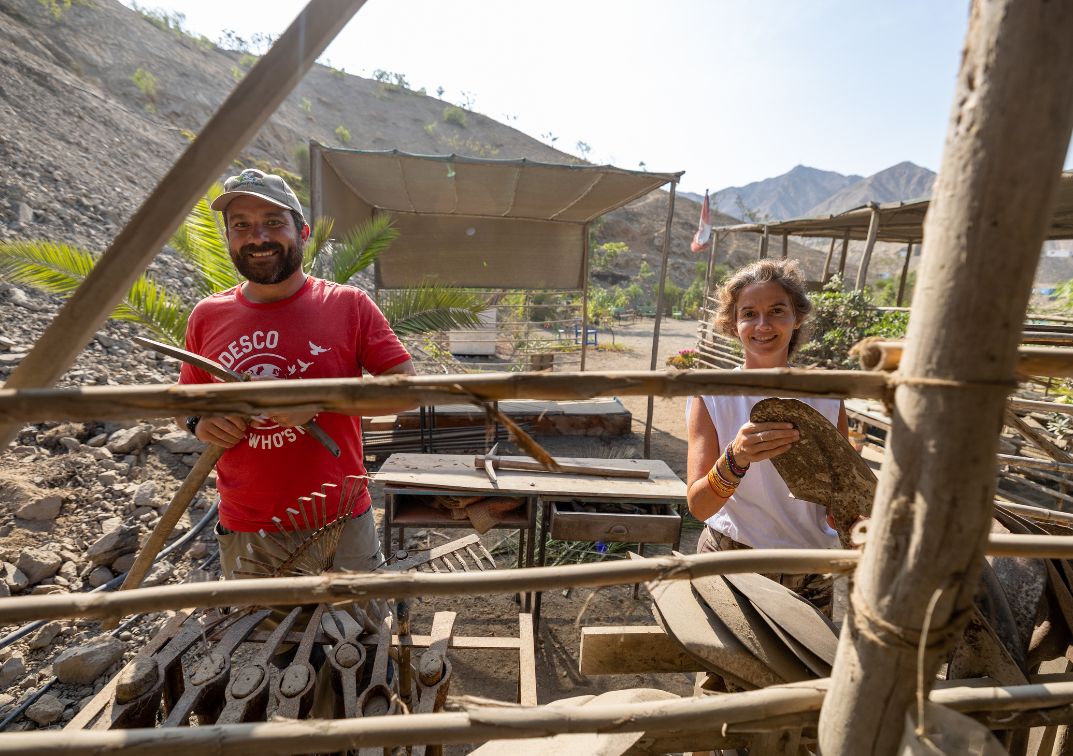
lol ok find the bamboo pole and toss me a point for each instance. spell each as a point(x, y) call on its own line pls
point(785, 245)
point(332, 587)
point(372, 396)
point(905, 274)
point(659, 306)
point(233, 125)
point(763, 243)
point(842, 256)
point(777, 707)
point(869, 245)
point(827, 262)
point(993, 200)
point(1056, 362)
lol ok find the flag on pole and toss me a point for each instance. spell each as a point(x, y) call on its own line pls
point(704, 228)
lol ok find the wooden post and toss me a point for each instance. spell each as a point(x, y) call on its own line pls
point(785, 245)
point(584, 297)
point(993, 200)
point(905, 274)
point(235, 123)
point(659, 308)
point(763, 244)
point(827, 262)
point(869, 245)
point(842, 258)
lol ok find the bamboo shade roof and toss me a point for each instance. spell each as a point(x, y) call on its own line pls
point(474, 222)
point(898, 221)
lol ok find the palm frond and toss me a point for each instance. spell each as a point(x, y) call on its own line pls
point(432, 307)
point(360, 249)
point(46, 266)
point(322, 231)
point(200, 239)
point(156, 308)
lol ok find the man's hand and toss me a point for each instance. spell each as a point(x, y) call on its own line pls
point(221, 431)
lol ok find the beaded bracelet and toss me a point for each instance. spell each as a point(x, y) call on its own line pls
point(735, 469)
point(720, 485)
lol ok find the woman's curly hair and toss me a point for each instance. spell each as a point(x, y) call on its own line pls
point(783, 272)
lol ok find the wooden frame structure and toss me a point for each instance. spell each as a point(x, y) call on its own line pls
point(1010, 128)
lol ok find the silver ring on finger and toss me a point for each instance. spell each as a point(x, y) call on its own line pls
point(762, 439)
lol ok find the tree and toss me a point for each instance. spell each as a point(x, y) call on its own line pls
point(61, 268)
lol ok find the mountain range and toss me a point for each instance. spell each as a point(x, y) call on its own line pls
point(811, 192)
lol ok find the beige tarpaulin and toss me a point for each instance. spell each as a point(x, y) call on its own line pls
point(474, 222)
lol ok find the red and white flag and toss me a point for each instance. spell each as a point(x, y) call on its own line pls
point(704, 228)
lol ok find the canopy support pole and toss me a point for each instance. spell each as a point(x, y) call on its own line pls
point(827, 263)
point(905, 273)
point(842, 257)
point(585, 296)
point(240, 117)
point(873, 231)
point(785, 246)
point(659, 309)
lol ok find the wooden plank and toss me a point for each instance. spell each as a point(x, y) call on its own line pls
point(455, 472)
point(624, 650)
point(233, 125)
point(527, 684)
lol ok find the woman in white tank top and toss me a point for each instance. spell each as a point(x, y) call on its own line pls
point(732, 485)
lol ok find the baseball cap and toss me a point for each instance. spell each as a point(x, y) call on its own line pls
point(267, 186)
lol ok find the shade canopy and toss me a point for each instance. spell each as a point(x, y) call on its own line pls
point(899, 221)
point(473, 222)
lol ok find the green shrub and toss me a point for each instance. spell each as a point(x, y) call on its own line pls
point(247, 60)
point(684, 360)
point(454, 114)
point(342, 133)
point(237, 73)
point(146, 84)
point(842, 318)
point(307, 107)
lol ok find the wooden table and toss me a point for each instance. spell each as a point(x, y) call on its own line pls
point(454, 474)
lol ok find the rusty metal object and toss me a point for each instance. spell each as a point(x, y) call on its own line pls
point(347, 657)
point(379, 699)
point(434, 675)
point(204, 689)
point(293, 689)
point(247, 695)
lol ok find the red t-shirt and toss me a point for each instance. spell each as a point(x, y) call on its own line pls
point(324, 330)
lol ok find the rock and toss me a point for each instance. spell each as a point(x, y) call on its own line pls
point(21, 299)
point(45, 635)
point(84, 664)
point(112, 544)
point(11, 358)
point(42, 508)
point(100, 576)
point(13, 577)
point(181, 442)
point(4, 590)
point(161, 573)
point(46, 590)
point(127, 440)
point(38, 563)
point(70, 444)
point(123, 563)
point(24, 213)
point(99, 441)
point(108, 479)
point(68, 570)
point(100, 453)
point(12, 670)
point(145, 494)
point(6, 699)
point(46, 710)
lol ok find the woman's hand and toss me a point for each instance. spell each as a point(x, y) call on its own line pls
point(759, 441)
point(221, 431)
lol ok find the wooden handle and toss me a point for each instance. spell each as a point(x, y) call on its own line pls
point(522, 464)
point(180, 502)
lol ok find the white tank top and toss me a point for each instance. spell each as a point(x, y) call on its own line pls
point(762, 513)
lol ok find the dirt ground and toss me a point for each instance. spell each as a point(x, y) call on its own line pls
point(493, 674)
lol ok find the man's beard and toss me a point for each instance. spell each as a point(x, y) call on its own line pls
point(258, 273)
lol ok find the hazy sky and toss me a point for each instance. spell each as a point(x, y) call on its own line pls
point(730, 91)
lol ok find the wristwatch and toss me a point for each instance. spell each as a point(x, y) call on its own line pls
point(191, 424)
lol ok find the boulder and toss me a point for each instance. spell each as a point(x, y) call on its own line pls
point(114, 542)
point(46, 710)
point(12, 671)
point(145, 495)
point(126, 440)
point(181, 442)
point(13, 577)
point(84, 664)
point(41, 508)
point(45, 635)
point(100, 576)
point(39, 563)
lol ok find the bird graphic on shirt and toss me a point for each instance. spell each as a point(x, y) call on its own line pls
point(291, 370)
point(304, 365)
point(315, 350)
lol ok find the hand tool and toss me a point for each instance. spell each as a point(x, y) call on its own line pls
point(498, 463)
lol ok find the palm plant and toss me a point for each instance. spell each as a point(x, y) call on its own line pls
point(60, 268)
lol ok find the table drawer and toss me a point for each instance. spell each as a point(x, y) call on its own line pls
point(571, 521)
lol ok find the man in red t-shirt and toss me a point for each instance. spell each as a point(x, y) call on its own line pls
point(283, 324)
